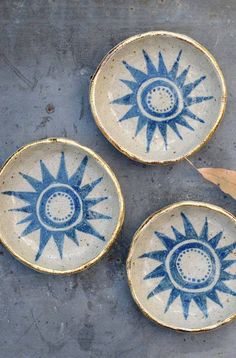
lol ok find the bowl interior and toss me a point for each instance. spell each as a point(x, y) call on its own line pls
point(60, 206)
point(158, 97)
point(182, 267)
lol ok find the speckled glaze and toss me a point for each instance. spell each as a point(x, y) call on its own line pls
point(158, 96)
point(182, 266)
point(61, 206)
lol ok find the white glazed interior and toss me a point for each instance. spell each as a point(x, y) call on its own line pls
point(27, 162)
point(146, 241)
point(107, 87)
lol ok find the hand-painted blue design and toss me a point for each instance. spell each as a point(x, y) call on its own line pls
point(59, 206)
point(202, 278)
point(160, 98)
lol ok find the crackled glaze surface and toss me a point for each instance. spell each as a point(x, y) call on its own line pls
point(182, 266)
point(60, 206)
point(158, 96)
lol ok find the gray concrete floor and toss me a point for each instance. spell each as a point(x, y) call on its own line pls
point(48, 51)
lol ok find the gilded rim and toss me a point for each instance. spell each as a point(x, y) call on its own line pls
point(184, 38)
point(129, 259)
point(120, 221)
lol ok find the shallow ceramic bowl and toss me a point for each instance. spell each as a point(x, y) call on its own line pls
point(182, 266)
point(61, 206)
point(158, 96)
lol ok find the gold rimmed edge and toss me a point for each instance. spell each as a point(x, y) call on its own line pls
point(114, 179)
point(120, 45)
point(129, 260)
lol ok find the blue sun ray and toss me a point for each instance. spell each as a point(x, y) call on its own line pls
point(131, 85)
point(225, 276)
point(185, 300)
point(151, 127)
point(214, 297)
point(204, 233)
point(127, 99)
point(86, 189)
point(221, 286)
point(77, 177)
point(59, 241)
point(87, 228)
point(182, 121)
point(141, 123)
point(164, 285)
point(62, 175)
point(227, 263)
point(47, 177)
point(92, 202)
point(187, 112)
point(182, 77)
point(187, 89)
point(215, 240)
point(59, 206)
point(155, 255)
point(71, 234)
point(188, 227)
point(159, 271)
point(179, 237)
point(160, 98)
point(23, 195)
point(194, 100)
point(166, 241)
point(25, 209)
point(201, 303)
point(26, 219)
point(174, 127)
point(36, 184)
point(44, 238)
point(162, 70)
point(133, 112)
point(172, 297)
point(163, 130)
point(151, 69)
point(226, 250)
point(174, 70)
point(74, 239)
point(34, 225)
point(138, 75)
point(93, 215)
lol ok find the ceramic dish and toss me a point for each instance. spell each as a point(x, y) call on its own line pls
point(61, 206)
point(158, 96)
point(182, 267)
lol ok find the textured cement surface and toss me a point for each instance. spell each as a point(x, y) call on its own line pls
point(48, 51)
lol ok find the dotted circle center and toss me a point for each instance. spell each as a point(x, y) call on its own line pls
point(194, 265)
point(160, 99)
point(60, 207)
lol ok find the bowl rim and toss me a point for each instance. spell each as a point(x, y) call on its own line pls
point(130, 254)
point(136, 37)
point(116, 183)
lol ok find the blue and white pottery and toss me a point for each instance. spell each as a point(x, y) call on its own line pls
point(158, 96)
point(182, 266)
point(61, 206)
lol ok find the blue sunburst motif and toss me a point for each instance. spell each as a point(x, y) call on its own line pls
point(160, 98)
point(59, 206)
point(196, 281)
